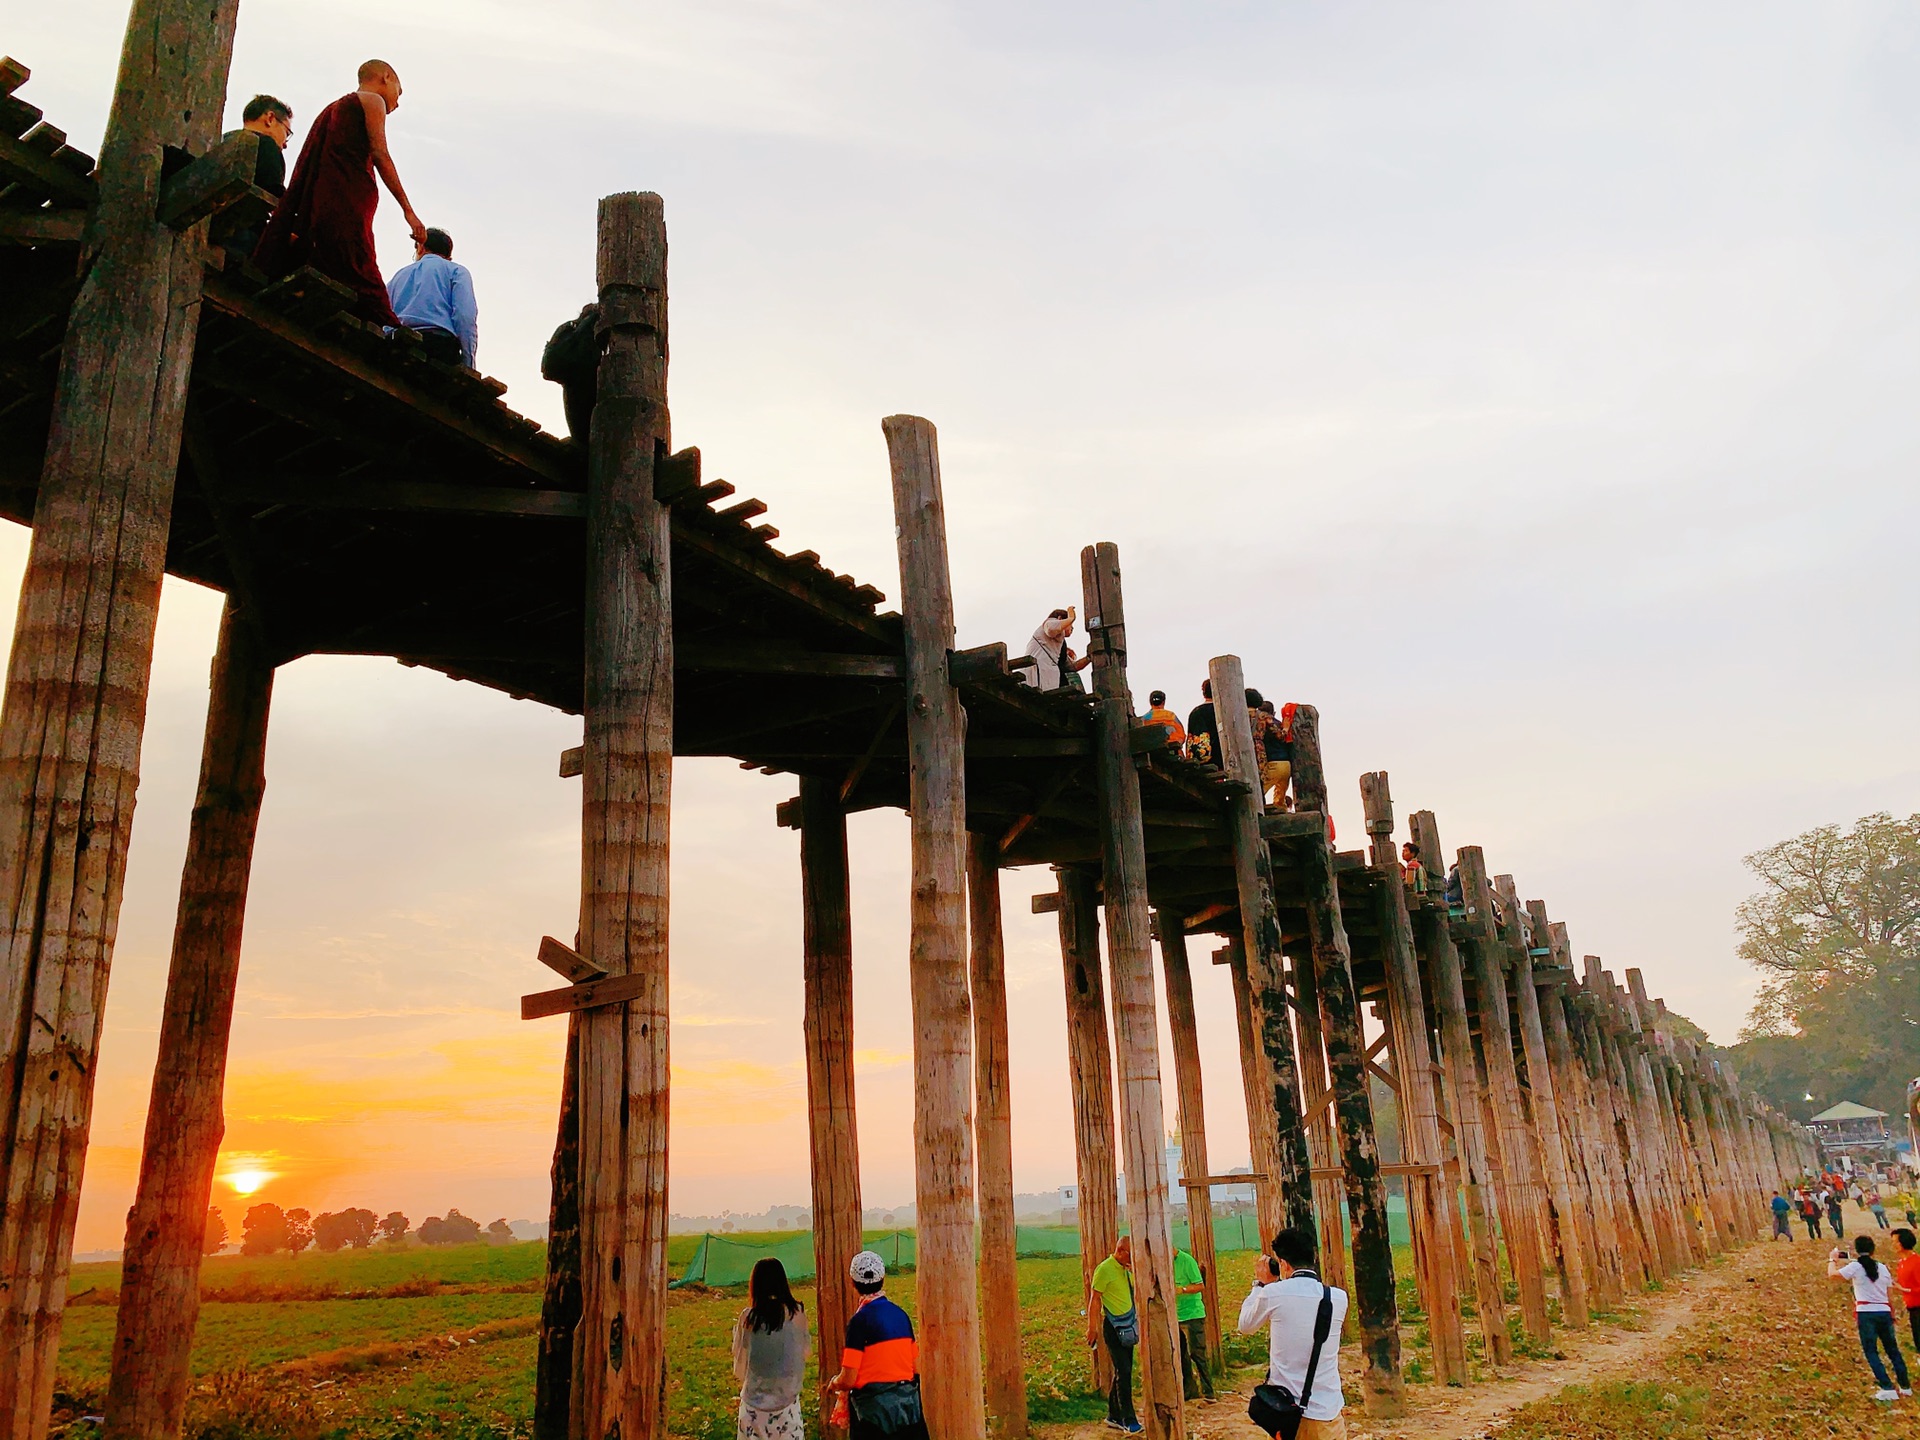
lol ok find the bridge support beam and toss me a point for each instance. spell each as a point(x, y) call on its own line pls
point(1090, 1076)
point(1193, 1117)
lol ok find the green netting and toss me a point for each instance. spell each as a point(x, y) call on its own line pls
point(722, 1260)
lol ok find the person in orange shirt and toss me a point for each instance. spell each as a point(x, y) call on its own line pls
point(1159, 714)
point(1906, 1275)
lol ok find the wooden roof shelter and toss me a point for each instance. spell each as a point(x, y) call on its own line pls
point(166, 408)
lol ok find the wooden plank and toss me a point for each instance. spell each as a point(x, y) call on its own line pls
point(166, 1228)
point(949, 1315)
point(785, 660)
point(1136, 1026)
point(1090, 1081)
point(573, 762)
point(979, 665)
point(620, 1375)
point(1182, 1025)
point(78, 677)
point(567, 962)
point(40, 173)
point(410, 497)
point(678, 476)
point(833, 1132)
point(43, 227)
point(589, 995)
point(757, 565)
point(212, 182)
point(1006, 1370)
point(12, 74)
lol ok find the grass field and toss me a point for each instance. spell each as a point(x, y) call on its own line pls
point(443, 1343)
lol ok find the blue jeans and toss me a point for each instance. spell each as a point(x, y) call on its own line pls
point(1876, 1330)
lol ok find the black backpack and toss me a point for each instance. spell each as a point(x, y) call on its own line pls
point(572, 361)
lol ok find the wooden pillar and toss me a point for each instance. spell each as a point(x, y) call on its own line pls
point(560, 1298)
point(76, 693)
point(620, 1347)
point(1136, 1018)
point(1428, 1199)
point(1328, 1187)
point(833, 1131)
point(993, 1139)
point(160, 1271)
point(1434, 941)
point(942, 1050)
point(1090, 1076)
point(1286, 1201)
point(1568, 1222)
point(1263, 1144)
point(1524, 1219)
point(1332, 961)
point(1682, 1146)
point(1659, 1159)
point(1193, 1115)
point(1634, 1173)
point(1641, 1150)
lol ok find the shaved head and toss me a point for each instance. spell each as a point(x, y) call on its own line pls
point(376, 70)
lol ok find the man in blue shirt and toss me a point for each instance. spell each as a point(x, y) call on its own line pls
point(435, 297)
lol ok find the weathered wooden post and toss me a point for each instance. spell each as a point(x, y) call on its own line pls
point(1193, 1117)
point(1287, 1198)
point(1090, 1076)
point(1680, 1173)
point(1329, 1188)
point(1640, 1149)
point(993, 1141)
point(1256, 1090)
point(166, 1229)
point(942, 1022)
point(1433, 938)
point(620, 1345)
point(1428, 1200)
point(1568, 1223)
point(76, 696)
point(1525, 1225)
point(1136, 1023)
point(1631, 1173)
point(560, 1303)
point(833, 1131)
point(1332, 961)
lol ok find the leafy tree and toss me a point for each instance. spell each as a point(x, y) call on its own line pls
point(328, 1233)
point(214, 1240)
point(299, 1230)
point(264, 1230)
point(455, 1229)
point(1835, 932)
point(500, 1232)
point(394, 1227)
point(361, 1226)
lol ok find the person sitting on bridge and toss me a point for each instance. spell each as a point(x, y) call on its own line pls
point(326, 220)
point(1412, 869)
point(1159, 714)
point(1276, 755)
point(1203, 730)
point(434, 296)
point(272, 120)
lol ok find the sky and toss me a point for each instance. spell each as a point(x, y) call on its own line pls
point(1528, 387)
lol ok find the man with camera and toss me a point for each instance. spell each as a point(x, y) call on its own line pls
point(1301, 1399)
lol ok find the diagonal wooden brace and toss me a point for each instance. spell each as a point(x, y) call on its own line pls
point(589, 995)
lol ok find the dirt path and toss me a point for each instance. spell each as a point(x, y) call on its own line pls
point(1435, 1412)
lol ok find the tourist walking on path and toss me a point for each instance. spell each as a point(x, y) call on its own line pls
point(770, 1348)
point(1782, 1213)
point(1112, 1319)
point(1872, 1282)
point(1810, 1212)
point(880, 1368)
point(1190, 1309)
point(1878, 1207)
point(1836, 1216)
point(1906, 1275)
point(1286, 1298)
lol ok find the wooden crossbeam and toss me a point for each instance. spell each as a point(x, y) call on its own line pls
point(781, 660)
point(411, 496)
point(564, 960)
point(25, 165)
point(1207, 1181)
point(43, 227)
point(590, 995)
point(573, 763)
point(212, 182)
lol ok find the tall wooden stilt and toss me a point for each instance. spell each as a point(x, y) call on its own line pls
point(833, 1132)
point(942, 1024)
point(160, 1271)
point(1681, 1174)
point(1090, 1076)
point(1287, 1199)
point(1332, 961)
point(993, 1139)
point(1136, 1023)
point(1428, 1199)
point(1634, 1170)
point(1526, 1224)
point(1193, 1116)
point(553, 1364)
point(1257, 1091)
point(620, 1356)
point(1329, 1191)
point(76, 695)
point(1461, 1082)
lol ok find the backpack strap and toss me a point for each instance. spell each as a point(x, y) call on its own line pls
point(1322, 1326)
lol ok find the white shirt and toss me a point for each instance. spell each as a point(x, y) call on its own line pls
point(1287, 1307)
point(1868, 1294)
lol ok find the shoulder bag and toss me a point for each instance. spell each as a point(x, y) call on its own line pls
point(1273, 1407)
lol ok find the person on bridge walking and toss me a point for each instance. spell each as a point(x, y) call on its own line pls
point(326, 219)
point(1111, 1318)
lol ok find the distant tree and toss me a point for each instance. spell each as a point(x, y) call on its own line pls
point(433, 1231)
point(328, 1233)
point(500, 1232)
point(1835, 932)
point(299, 1230)
point(215, 1238)
point(361, 1226)
point(394, 1227)
point(454, 1229)
point(264, 1230)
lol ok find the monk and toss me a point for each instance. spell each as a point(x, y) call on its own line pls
point(326, 219)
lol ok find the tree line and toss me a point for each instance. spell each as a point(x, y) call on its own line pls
point(1835, 932)
point(267, 1230)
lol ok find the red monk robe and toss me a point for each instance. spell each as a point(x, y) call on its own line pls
point(326, 219)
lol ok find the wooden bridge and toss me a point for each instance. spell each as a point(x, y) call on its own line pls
point(165, 409)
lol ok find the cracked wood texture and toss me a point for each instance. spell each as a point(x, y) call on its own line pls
point(1090, 1077)
point(949, 1317)
point(1181, 1024)
point(833, 1136)
point(160, 1271)
point(1136, 1023)
point(560, 1297)
point(77, 681)
point(620, 1346)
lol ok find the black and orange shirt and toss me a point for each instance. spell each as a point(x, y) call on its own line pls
point(880, 1344)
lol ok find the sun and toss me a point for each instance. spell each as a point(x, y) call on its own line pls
point(245, 1182)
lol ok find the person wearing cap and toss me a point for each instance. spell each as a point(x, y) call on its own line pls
point(880, 1367)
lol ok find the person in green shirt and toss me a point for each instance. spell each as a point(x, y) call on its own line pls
point(1111, 1317)
point(1191, 1311)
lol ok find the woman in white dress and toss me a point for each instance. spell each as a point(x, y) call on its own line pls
point(770, 1348)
